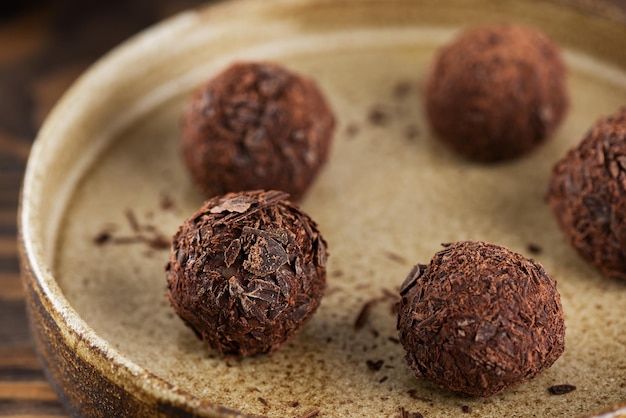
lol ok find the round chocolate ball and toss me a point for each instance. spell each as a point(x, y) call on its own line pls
point(479, 319)
point(587, 194)
point(256, 126)
point(246, 271)
point(496, 93)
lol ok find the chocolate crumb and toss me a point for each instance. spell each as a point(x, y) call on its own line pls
point(159, 242)
point(375, 333)
point(377, 116)
point(102, 238)
point(312, 413)
point(352, 130)
point(534, 248)
point(375, 365)
point(401, 90)
point(394, 340)
point(413, 395)
point(411, 132)
point(361, 319)
point(263, 401)
point(561, 389)
point(166, 202)
point(466, 409)
point(406, 414)
point(384, 379)
point(132, 220)
point(294, 404)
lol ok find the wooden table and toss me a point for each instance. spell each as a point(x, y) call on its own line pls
point(44, 46)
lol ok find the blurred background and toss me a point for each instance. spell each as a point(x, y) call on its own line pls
point(44, 46)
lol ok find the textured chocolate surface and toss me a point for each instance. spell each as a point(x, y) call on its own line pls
point(587, 193)
point(256, 126)
point(246, 271)
point(496, 93)
point(480, 318)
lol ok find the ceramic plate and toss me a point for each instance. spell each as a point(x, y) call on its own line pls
point(105, 185)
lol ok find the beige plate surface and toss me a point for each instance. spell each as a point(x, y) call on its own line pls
point(107, 160)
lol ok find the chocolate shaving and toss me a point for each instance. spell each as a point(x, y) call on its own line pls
point(132, 220)
point(534, 249)
point(375, 365)
point(378, 116)
point(466, 409)
point(263, 401)
point(561, 389)
point(364, 314)
point(406, 414)
point(311, 413)
point(239, 204)
point(395, 257)
point(102, 238)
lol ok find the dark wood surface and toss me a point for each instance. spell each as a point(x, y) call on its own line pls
point(44, 46)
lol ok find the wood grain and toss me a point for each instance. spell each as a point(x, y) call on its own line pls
point(44, 46)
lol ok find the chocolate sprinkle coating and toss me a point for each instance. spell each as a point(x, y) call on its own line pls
point(479, 319)
point(496, 93)
point(246, 271)
point(587, 194)
point(256, 126)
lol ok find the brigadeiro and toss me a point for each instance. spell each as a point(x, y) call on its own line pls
point(587, 194)
point(480, 318)
point(256, 126)
point(246, 271)
point(495, 93)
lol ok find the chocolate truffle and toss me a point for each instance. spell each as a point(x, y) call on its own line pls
point(496, 93)
point(587, 193)
point(479, 319)
point(246, 271)
point(256, 126)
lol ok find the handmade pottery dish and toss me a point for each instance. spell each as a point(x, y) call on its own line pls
point(105, 185)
